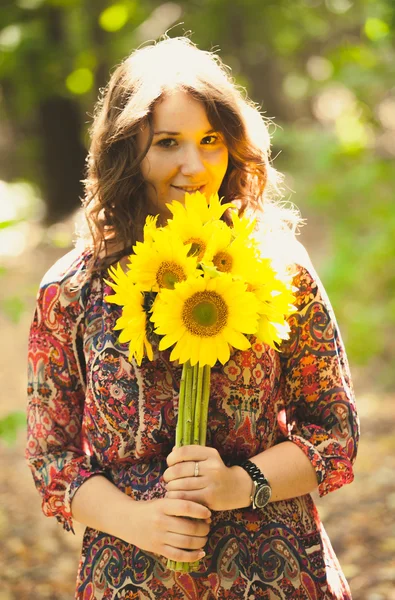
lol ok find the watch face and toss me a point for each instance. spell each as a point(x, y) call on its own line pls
point(262, 496)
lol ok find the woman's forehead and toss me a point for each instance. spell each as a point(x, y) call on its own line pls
point(180, 111)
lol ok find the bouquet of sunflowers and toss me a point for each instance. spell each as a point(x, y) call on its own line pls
point(203, 288)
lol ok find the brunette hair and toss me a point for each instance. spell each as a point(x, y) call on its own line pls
point(115, 200)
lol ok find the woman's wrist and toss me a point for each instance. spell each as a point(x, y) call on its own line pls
point(242, 488)
point(99, 504)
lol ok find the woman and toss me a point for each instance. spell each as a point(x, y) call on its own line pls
point(101, 429)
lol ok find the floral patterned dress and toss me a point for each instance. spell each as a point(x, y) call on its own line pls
point(91, 411)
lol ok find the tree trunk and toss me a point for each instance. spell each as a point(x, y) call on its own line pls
point(63, 156)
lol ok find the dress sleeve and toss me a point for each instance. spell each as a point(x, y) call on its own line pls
point(56, 394)
point(321, 415)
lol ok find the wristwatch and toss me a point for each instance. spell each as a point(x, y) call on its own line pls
point(262, 491)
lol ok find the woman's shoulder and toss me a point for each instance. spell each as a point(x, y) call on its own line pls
point(285, 250)
point(73, 268)
point(63, 296)
point(298, 258)
point(68, 282)
point(291, 259)
point(308, 286)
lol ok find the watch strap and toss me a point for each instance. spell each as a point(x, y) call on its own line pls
point(257, 477)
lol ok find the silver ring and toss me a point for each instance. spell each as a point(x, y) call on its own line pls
point(196, 469)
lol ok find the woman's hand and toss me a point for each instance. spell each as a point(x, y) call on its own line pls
point(176, 529)
point(216, 486)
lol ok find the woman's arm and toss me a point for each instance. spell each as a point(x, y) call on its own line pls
point(158, 526)
point(288, 470)
point(56, 393)
point(219, 487)
point(99, 504)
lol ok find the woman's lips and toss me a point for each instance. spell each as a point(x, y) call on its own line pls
point(190, 190)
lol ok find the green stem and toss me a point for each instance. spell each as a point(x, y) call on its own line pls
point(198, 413)
point(192, 423)
point(181, 407)
point(195, 369)
point(180, 441)
point(205, 402)
point(188, 405)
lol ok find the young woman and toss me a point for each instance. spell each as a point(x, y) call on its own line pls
point(101, 429)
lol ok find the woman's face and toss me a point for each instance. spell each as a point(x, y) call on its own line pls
point(186, 154)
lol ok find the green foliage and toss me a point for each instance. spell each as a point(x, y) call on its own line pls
point(13, 308)
point(9, 223)
point(350, 198)
point(115, 17)
point(80, 81)
point(10, 425)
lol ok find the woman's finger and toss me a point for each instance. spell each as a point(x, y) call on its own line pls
point(185, 508)
point(189, 495)
point(186, 542)
point(180, 555)
point(185, 469)
point(187, 483)
point(190, 453)
point(194, 527)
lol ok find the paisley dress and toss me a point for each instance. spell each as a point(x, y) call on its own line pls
point(91, 411)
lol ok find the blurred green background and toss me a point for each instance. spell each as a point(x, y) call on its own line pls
point(324, 72)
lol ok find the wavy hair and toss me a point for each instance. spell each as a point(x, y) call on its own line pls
point(115, 199)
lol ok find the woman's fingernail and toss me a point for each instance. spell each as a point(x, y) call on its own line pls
point(202, 554)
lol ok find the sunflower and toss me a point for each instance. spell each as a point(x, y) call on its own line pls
point(133, 322)
point(121, 284)
point(150, 228)
point(204, 317)
point(196, 207)
point(272, 332)
point(276, 304)
point(192, 232)
point(243, 226)
point(232, 255)
point(162, 263)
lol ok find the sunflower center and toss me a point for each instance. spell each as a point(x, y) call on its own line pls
point(223, 261)
point(198, 247)
point(168, 274)
point(205, 314)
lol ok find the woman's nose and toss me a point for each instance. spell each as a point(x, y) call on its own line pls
point(191, 163)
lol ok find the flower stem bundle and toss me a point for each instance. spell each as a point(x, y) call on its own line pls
point(192, 422)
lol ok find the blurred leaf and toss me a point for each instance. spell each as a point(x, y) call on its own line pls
point(10, 38)
point(295, 86)
point(80, 81)
point(376, 29)
point(10, 223)
point(351, 132)
point(63, 3)
point(29, 4)
point(10, 425)
point(13, 307)
point(114, 17)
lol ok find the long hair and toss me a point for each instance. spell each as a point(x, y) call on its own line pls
point(115, 201)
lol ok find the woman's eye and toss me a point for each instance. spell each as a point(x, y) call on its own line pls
point(167, 143)
point(209, 140)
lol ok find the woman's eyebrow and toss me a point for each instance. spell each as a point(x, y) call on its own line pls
point(179, 133)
